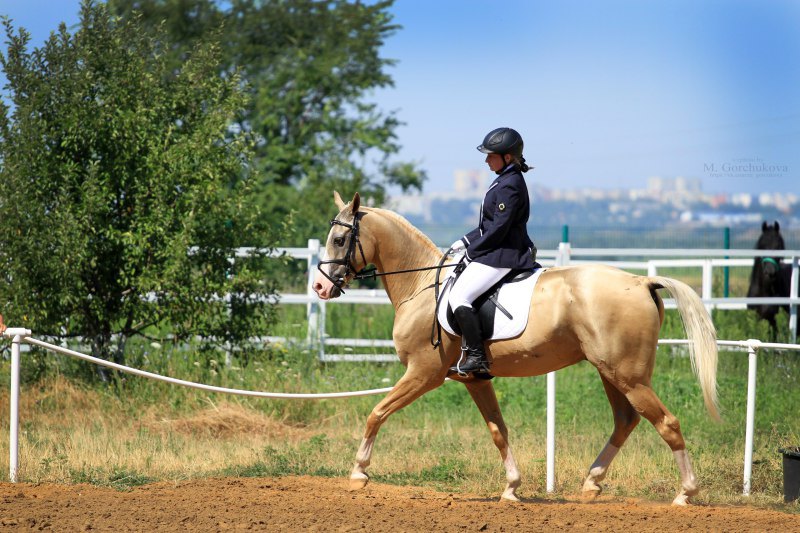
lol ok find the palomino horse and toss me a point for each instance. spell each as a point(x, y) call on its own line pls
point(604, 315)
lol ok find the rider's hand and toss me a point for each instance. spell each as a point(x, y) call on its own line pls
point(457, 246)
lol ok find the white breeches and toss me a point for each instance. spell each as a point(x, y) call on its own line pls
point(474, 281)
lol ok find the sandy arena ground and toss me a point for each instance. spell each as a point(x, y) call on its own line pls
point(319, 504)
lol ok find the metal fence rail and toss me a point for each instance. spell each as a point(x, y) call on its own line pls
point(646, 259)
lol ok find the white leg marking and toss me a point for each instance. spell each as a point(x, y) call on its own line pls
point(597, 472)
point(358, 476)
point(365, 451)
point(688, 481)
point(512, 476)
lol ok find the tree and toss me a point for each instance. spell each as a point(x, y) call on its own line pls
point(125, 189)
point(310, 64)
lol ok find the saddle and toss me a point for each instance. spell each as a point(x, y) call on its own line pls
point(502, 310)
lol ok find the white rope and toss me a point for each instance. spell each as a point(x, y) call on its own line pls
point(158, 377)
point(745, 345)
point(301, 396)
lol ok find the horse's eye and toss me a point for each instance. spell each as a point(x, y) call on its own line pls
point(338, 241)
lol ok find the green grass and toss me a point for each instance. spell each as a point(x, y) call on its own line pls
point(439, 441)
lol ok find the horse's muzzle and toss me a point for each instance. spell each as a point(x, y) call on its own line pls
point(325, 288)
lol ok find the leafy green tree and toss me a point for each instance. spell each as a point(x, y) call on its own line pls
point(310, 64)
point(126, 190)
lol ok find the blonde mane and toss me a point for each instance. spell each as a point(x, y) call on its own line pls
point(413, 230)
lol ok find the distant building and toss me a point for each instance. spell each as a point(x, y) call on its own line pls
point(677, 199)
point(679, 184)
point(469, 186)
point(742, 199)
point(470, 181)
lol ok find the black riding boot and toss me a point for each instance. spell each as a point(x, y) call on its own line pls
point(474, 357)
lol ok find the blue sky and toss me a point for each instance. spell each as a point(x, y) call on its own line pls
point(605, 94)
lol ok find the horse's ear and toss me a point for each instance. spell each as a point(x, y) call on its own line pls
point(777, 226)
point(355, 204)
point(338, 200)
point(763, 226)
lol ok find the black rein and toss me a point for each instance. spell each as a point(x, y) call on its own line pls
point(365, 273)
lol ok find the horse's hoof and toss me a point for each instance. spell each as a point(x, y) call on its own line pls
point(681, 500)
point(358, 482)
point(591, 490)
point(509, 495)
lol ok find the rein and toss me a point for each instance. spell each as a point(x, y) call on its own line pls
point(372, 272)
point(365, 273)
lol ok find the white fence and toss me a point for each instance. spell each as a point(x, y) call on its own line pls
point(649, 260)
point(19, 335)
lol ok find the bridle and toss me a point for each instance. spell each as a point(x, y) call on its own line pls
point(365, 273)
point(770, 260)
point(347, 259)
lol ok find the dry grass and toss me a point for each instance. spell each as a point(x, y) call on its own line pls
point(69, 433)
point(223, 421)
point(72, 434)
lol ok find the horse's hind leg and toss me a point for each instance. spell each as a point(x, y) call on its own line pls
point(406, 390)
point(625, 420)
point(646, 402)
point(482, 392)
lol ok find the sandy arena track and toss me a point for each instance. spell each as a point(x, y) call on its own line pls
point(318, 504)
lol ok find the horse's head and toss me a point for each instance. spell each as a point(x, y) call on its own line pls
point(344, 251)
point(770, 239)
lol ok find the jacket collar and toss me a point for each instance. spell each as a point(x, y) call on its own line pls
point(508, 170)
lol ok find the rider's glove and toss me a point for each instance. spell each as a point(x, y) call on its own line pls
point(457, 246)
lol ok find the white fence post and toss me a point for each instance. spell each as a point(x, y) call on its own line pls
point(562, 259)
point(708, 282)
point(551, 432)
point(13, 459)
point(312, 308)
point(708, 279)
point(752, 364)
point(793, 294)
point(323, 318)
point(13, 437)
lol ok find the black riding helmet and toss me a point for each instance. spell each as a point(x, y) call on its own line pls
point(502, 141)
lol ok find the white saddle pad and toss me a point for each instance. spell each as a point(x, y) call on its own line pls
point(514, 297)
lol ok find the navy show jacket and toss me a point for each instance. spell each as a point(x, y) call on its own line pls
point(501, 239)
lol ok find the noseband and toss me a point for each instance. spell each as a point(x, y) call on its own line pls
point(770, 260)
point(347, 259)
point(765, 261)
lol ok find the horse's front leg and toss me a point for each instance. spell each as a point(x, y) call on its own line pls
point(482, 392)
point(410, 387)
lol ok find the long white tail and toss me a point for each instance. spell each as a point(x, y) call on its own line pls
point(701, 334)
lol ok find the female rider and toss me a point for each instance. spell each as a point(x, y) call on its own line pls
point(499, 244)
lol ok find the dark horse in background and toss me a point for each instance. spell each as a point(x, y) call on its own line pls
point(770, 277)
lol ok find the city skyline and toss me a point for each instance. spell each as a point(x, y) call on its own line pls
point(605, 94)
point(677, 202)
